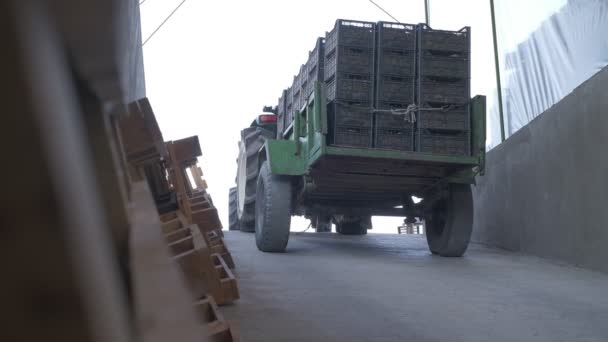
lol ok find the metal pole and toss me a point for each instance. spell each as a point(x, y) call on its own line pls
point(498, 87)
point(427, 15)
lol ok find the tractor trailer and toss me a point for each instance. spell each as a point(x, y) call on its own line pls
point(380, 112)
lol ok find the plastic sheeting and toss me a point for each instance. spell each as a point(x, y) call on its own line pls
point(546, 49)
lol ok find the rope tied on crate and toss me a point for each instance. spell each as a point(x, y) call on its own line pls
point(409, 113)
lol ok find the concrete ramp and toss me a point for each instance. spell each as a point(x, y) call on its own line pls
point(379, 287)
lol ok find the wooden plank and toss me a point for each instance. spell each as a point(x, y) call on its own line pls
point(209, 314)
point(204, 277)
point(206, 219)
point(168, 216)
point(185, 150)
point(178, 235)
point(163, 308)
point(140, 135)
point(182, 245)
point(221, 249)
point(172, 225)
point(197, 175)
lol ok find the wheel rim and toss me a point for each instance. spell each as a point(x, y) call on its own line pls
point(259, 207)
point(241, 180)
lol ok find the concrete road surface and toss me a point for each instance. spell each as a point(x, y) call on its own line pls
point(378, 287)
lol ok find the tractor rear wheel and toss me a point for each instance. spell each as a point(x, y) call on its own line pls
point(252, 139)
point(273, 211)
point(449, 226)
point(233, 223)
point(354, 226)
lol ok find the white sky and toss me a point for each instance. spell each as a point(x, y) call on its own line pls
point(215, 64)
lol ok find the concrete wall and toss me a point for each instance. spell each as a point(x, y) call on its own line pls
point(104, 45)
point(545, 191)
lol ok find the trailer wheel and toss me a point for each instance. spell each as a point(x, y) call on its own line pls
point(358, 226)
point(323, 224)
point(233, 223)
point(449, 226)
point(273, 211)
point(252, 139)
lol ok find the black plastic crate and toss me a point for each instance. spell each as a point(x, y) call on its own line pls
point(349, 87)
point(444, 64)
point(440, 142)
point(396, 62)
point(396, 36)
point(316, 55)
point(394, 138)
point(442, 40)
point(351, 124)
point(350, 113)
point(314, 67)
point(393, 131)
point(439, 90)
point(392, 105)
point(304, 96)
point(392, 88)
point(297, 91)
point(281, 108)
point(297, 99)
point(288, 108)
point(446, 117)
point(352, 33)
point(315, 75)
point(352, 136)
point(282, 102)
point(349, 59)
point(390, 120)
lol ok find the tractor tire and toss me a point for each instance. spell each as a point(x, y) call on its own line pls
point(233, 223)
point(449, 226)
point(323, 224)
point(252, 139)
point(273, 211)
point(354, 227)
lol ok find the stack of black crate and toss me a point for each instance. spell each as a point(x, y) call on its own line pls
point(395, 76)
point(314, 68)
point(349, 74)
point(443, 91)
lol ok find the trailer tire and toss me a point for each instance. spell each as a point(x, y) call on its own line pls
point(233, 223)
point(273, 211)
point(450, 224)
point(354, 227)
point(252, 139)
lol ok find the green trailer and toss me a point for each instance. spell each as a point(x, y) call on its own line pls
point(299, 173)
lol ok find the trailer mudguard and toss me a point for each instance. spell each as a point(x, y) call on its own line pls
point(284, 157)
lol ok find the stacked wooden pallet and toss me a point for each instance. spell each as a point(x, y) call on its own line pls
point(189, 224)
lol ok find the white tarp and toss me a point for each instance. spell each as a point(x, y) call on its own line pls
point(546, 49)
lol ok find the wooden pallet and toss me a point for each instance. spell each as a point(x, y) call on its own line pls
point(219, 329)
point(204, 267)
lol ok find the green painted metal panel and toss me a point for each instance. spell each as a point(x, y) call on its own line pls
point(284, 158)
point(478, 127)
point(401, 155)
